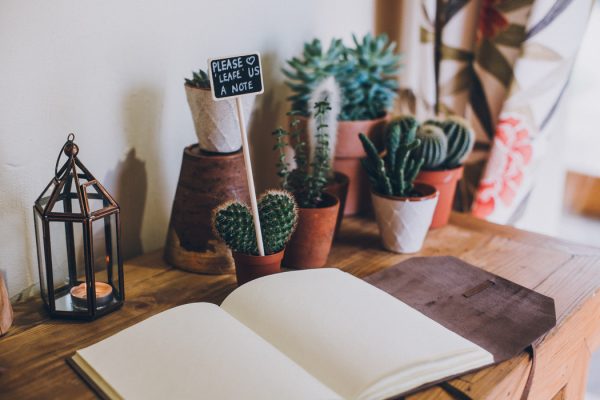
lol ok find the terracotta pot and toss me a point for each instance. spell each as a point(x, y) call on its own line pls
point(404, 221)
point(206, 180)
point(249, 267)
point(216, 122)
point(339, 188)
point(348, 152)
point(311, 242)
point(445, 182)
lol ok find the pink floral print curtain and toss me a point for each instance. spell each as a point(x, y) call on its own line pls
point(503, 65)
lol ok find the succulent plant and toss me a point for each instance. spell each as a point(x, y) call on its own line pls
point(394, 174)
point(434, 146)
point(405, 123)
point(367, 78)
point(461, 140)
point(446, 143)
point(307, 181)
point(307, 71)
point(278, 213)
point(199, 80)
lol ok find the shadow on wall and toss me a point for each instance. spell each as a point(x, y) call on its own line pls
point(133, 181)
point(129, 183)
point(268, 111)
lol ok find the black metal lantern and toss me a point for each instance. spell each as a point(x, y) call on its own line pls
point(78, 242)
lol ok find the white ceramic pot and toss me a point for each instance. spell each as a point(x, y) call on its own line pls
point(404, 221)
point(216, 122)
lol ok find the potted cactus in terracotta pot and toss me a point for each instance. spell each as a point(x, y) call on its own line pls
point(366, 74)
point(232, 222)
point(445, 144)
point(318, 210)
point(403, 210)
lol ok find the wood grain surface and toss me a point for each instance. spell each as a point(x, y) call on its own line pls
point(33, 353)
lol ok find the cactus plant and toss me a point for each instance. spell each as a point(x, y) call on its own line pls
point(307, 181)
point(445, 143)
point(434, 146)
point(393, 175)
point(199, 80)
point(461, 140)
point(307, 71)
point(278, 213)
point(367, 78)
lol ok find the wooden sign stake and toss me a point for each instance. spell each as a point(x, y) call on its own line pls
point(249, 176)
point(235, 77)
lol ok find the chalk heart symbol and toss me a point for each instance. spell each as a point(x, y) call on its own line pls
point(251, 60)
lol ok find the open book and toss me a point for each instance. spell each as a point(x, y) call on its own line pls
point(313, 334)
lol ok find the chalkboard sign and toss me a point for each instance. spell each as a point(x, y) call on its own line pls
point(235, 76)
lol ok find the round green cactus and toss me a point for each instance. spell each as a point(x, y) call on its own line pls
point(461, 139)
point(278, 213)
point(434, 146)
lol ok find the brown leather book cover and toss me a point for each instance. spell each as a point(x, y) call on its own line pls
point(499, 315)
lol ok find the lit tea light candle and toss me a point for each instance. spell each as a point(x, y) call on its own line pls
point(104, 295)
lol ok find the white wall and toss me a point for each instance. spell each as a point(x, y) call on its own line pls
point(112, 72)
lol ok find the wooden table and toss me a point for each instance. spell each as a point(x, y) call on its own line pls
point(32, 355)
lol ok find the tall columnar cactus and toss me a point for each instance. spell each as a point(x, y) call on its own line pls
point(393, 175)
point(199, 80)
point(461, 140)
point(405, 123)
point(233, 223)
point(434, 146)
point(307, 181)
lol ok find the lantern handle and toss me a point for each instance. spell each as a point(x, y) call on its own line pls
point(69, 141)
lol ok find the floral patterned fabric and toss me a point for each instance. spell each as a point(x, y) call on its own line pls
point(503, 65)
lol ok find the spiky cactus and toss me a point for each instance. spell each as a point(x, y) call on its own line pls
point(405, 123)
point(307, 181)
point(445, 143)
point(393, 175)
point(434, 146)
point(368, 78)
point(277, 210)
point(461, 140)
point(199, 80)
point(305, 73)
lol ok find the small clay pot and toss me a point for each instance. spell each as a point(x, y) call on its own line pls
point(445, 182)
point(311, 242)
point(348, 152)
point(338, 187)
point(248, 267)
point(404, 221)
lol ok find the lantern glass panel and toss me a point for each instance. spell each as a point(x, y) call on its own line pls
point(106, 258)
point(42, 201)
point(39, 237)
point(68, 199)
point(96, 201)
point(68, 262)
